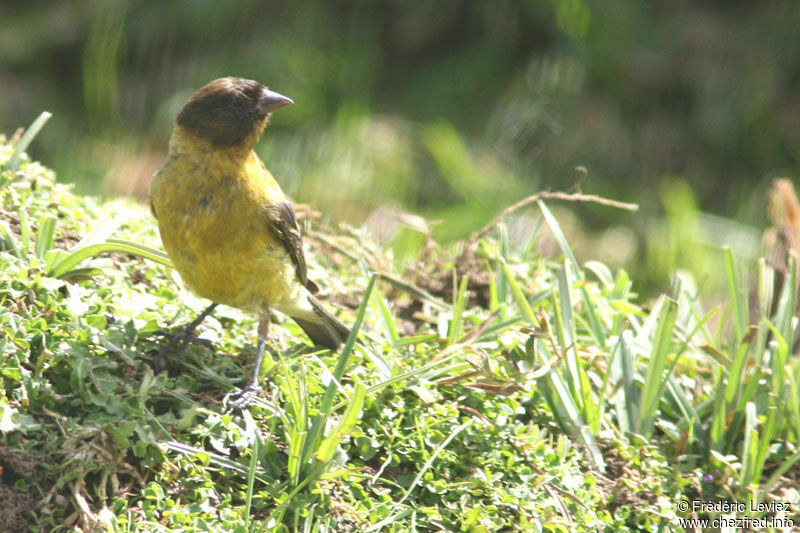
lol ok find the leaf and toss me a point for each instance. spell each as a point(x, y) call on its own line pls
point(7, 241)
point(13, 163)
point(44, 236)
point(79, 254)
point(345, 426)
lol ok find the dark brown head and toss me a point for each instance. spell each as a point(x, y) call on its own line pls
point(230, 111)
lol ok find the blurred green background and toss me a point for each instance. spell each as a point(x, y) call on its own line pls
point(451, 109)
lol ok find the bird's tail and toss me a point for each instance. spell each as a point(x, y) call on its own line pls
point(322, 327)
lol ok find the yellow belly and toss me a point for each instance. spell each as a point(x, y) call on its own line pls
point(214, 226)
point(245, 271)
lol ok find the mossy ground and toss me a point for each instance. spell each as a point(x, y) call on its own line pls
point(481, 393)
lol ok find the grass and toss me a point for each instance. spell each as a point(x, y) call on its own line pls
point(485, 387)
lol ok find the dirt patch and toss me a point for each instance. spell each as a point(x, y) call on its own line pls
point(13, 225)
point(433, 273)
point(623, 483)
point(139, 275)
point(17, 505)
point(436, 276)
point(66, 240)
point(12, 221)
point(15, 509)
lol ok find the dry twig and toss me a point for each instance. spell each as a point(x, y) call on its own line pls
point(554, 195)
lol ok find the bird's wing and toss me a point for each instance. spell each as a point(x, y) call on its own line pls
point(284, 224)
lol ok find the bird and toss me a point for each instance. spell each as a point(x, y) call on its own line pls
point(227, 226)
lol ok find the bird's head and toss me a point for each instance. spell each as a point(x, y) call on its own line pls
point(230, 112)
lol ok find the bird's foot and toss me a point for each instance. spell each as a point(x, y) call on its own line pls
point(242, 399)
point(184, 337)
point(182, 340)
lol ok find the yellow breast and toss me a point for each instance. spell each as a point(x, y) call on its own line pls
point(212, 213)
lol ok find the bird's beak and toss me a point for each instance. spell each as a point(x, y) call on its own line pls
point(270, 101)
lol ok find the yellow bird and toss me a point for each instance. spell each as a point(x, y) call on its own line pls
point(226, 224)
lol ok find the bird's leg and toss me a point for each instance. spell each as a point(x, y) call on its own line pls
point(184, 337)
point(242, 399)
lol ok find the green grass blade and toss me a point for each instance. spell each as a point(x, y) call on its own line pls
point(24, 231)
point(649, 325)
point(7, 241)
point(277, 513)
point(213, 458)
point(565, 330)
point(601, 271)
point(735, 293)
point(564, 408)
point(99, 234)
point(780, 356)
point(406, 375)
point(297, 424)
point(251, 430)
point(784, 321)
point(417, 339)
point(752, 387)
point(793, 405)
point(378, 361)
point(52, 257)
point(79, 254)
point(502, 285)
point(768, 434)
point(780, 471)
point(388, 319)
point(142, 250)
point(765, 293)
point(27, 138)
point(297, 440)
point(345, 426)
point(44, 235)
point(595, 324)
point(326, 407)
point(736, 371)
point(560, 238)
point(458, 310)
point(626, 401)
point(691, 419)
point(656, 377)
point(416, 292)
point(80, 274)
point(719, 416)
point(750, 444)
point(516, 290)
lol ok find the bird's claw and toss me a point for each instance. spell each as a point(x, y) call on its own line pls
point(242, 399)
point(184, 338)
